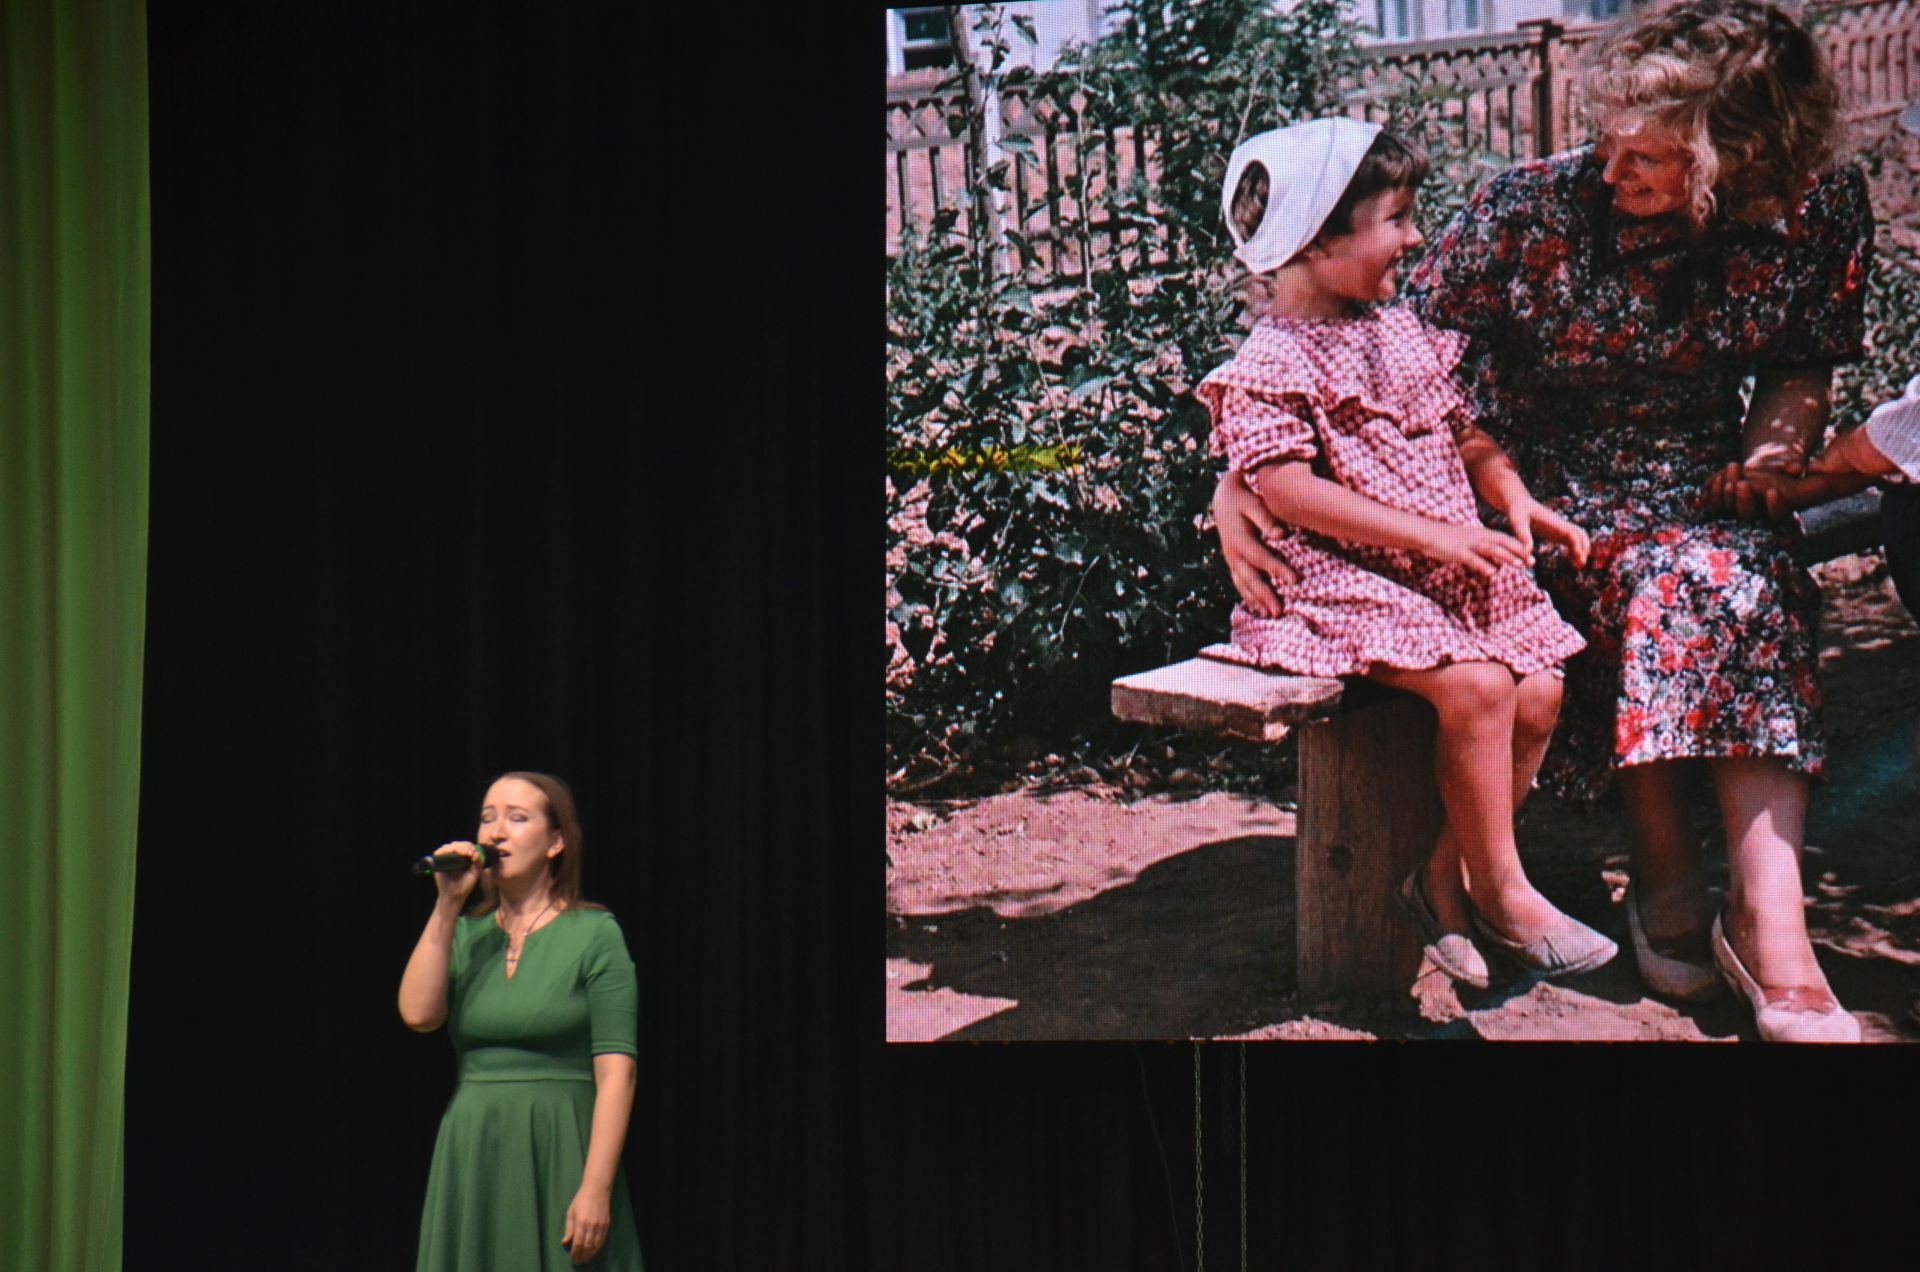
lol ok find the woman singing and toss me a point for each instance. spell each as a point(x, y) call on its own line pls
point(538, 989)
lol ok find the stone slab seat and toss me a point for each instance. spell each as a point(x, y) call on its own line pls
point(1369, 809)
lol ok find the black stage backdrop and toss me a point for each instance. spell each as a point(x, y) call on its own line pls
point(514, 406)
point(463, 391)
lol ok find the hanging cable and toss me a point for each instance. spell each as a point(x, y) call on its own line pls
point(1243, 1157)
point(1199, 1190)
point(1166, 1170)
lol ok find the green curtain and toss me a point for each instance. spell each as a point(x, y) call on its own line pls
point(74, 340)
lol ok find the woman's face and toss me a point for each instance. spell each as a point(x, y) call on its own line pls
point(1647, 167)
point(514, 822)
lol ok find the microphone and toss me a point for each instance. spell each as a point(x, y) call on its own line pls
point(454, 862)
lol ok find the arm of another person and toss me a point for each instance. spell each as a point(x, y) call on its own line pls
point(1242, 521)
point(1251, 428)
point(1853, 454)
point(1787, 415)
point(1888, 444)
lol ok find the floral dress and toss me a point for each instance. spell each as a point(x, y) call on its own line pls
point(1608, 358)
point(1372, 404)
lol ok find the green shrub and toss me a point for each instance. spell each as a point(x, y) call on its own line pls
point(1014, 597)
point(1893, 314)
point(1893, 341)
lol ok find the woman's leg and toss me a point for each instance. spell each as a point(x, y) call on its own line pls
point(1474, 754)
point(1669, 890)
point(1764, 805)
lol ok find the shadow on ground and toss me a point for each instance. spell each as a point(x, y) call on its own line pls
point(1197, 945)
point(1078, 917)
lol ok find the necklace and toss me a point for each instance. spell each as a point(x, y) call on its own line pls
point(513, 947)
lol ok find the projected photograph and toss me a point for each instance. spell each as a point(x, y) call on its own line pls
point(1400, 521)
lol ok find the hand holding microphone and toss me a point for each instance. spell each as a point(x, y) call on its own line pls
point(452, 867)
point(450, 859)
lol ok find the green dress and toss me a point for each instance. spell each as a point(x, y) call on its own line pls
point(513, 1143)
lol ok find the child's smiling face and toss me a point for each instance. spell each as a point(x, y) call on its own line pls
point(1361, 265)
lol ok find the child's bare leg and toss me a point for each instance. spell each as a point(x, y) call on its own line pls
point(1536, 709)
point(1484, 758)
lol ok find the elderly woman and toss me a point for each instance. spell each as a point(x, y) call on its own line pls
point(1618, 295)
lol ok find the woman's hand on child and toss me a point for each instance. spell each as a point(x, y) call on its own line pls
point(1479, 549)
point(1242, 522)
point(1531, 520)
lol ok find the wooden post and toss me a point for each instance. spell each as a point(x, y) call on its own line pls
point(1547, 35)
point(982, 101)
point(1369, 813)
point(1369, 809)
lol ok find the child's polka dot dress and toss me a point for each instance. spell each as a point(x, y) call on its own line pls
point(1371, 404)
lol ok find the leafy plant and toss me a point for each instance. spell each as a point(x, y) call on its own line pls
point(1893, 312)
point(1893, 335)
point(1014, 597)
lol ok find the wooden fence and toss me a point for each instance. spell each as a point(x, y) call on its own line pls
point(1516, 95)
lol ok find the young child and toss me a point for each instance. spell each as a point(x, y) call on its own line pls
point(1349, 427)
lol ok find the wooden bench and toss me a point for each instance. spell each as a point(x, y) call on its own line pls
point(1368, 807)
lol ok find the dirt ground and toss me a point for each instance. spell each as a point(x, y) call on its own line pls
point(1089, 914)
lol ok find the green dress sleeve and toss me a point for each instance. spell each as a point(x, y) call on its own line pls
point(460, 955)
point(613, 994)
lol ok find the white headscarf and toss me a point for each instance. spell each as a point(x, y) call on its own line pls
point(1308, 168)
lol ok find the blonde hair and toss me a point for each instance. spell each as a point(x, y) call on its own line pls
point(1742, 84)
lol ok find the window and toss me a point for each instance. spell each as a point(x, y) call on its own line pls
point(1464, 15)
point(924, 38)
point(1393, 23)
point(1598, 9)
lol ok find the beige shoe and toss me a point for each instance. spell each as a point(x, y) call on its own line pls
point(1801, 1013)
point(1665, 975)
point(1451, 952)
point(1568, 950)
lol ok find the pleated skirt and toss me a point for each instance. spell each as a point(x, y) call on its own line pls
point(506, 1165)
